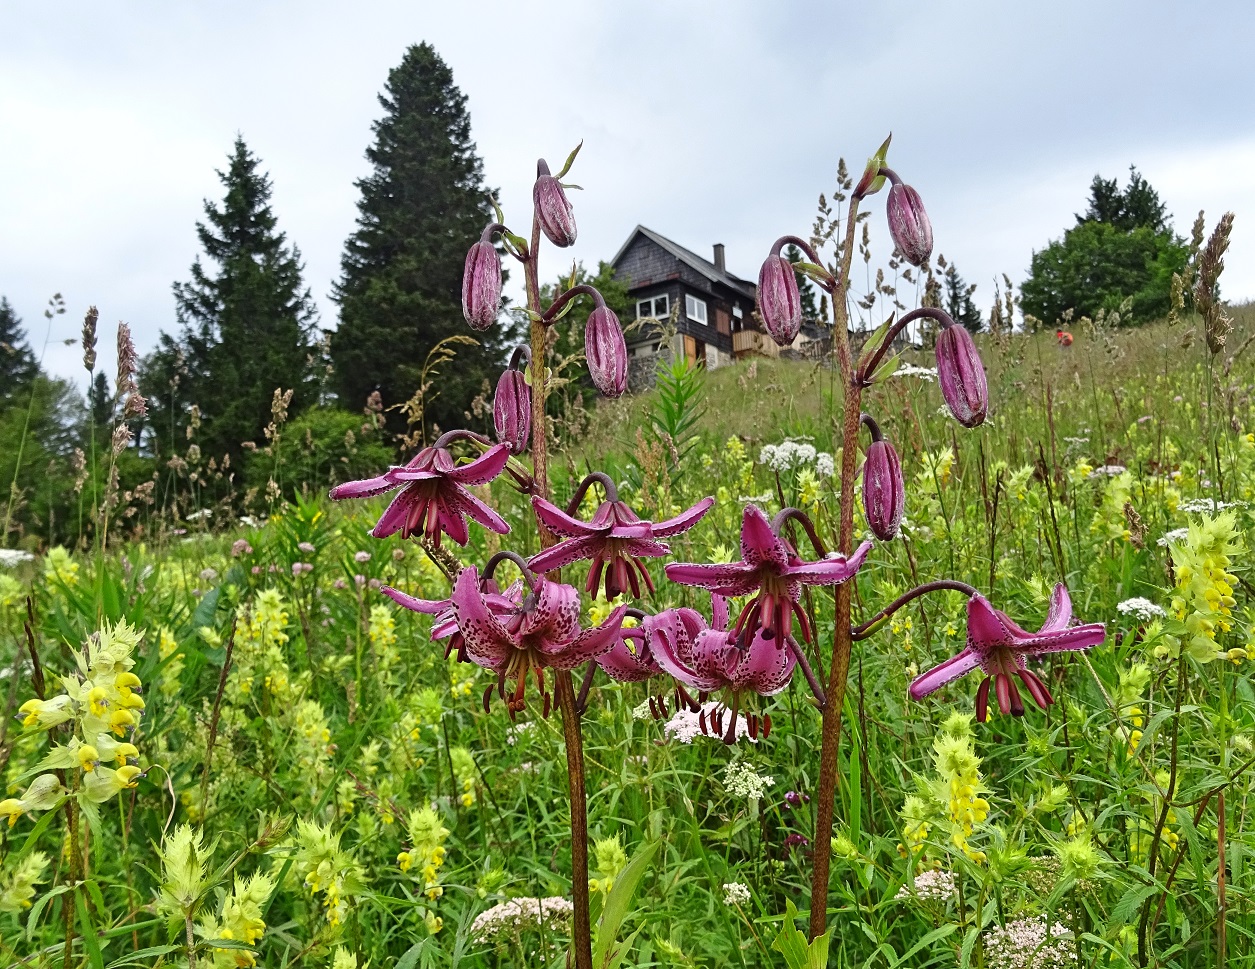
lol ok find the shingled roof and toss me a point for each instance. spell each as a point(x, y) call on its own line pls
point(690, 258)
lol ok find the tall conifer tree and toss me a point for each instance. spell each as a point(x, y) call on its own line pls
point(247, 321)
point(421, 208)
point(18, 367)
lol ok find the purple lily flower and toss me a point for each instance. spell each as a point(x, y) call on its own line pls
point(615, 540)
point(630, 660)
point(542, 631)
point(434, 498)
point(445, 626)
point(773, 570)
point(1002, 650)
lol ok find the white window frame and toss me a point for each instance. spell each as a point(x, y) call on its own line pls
point(691, 303)
point(652, 310)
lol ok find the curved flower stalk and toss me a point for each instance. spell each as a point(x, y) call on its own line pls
point(434, 499)
point(631, 658)
point(543, 632)
point(779, 301)
point(614, 540)
point(773, 572)
point(1002, 650)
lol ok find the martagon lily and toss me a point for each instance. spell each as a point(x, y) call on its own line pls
point(773, 571)
point(1002, 650)
point(615, 540)
point(434, 499)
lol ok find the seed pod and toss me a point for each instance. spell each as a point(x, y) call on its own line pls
point(884, 495)
point(908, 224)
point(606, 351)
point(779, 303)
point(481, 285)
point(553, 211)
point(512, 409)
point(962, 376)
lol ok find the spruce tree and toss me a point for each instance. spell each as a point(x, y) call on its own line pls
point(100, 401)
point(247, 321)
point(421, 208)
point(958, 300)
point(18, 367)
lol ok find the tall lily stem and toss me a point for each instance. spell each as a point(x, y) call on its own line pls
point(843, 640)
point(581, 928)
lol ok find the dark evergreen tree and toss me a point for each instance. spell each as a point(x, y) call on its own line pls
point(421, 208)
point(18, 366)
point(958, 300)
point(805, 289)
point(1137, 207)
point(247, 323)
point(100, 401)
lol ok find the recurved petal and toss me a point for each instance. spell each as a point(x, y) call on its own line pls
point(943, 673)
point(483, 469)
point(564, 553)
point(560, 523)
point(429, 607)
point(759, 544)
point(665, 644)
point(987, 627)
point(643, 548)
point(555, 619)
point(733, 579)
point(488, 642)
point(591, 643)
point(364, 488)
point(1066, 640)
point(832, 570)
point(450, 515)
point(718, 611)
point(472, 507)
point(395, 514)
point(763, 668)
point(683, 521)
point(629, 660)
point(1060, 614)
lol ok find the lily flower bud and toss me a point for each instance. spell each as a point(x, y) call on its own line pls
point(606, 351)
point(553, 211)
point(884, 494)
point(908, 222)
point(962, 375)
point(512, 404)
point(481, 283)
point(779, 303)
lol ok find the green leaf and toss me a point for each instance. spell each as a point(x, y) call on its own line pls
point(936, 935)
point(791, 944)
point(140, 955)
point(1129, 903)
point(616, 907)
point(205, 609)
point(570, 160)
point(410, 959)
point(90, 941)
point(32, 918)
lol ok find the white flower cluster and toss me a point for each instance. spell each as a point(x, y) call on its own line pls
point(735, 893)
point(743, 782)
point(685, 726)
point(1144, 609)
point(1030, 943)
point(519, 731)
point(1107, 471)
point(1207, 506)
point(1174, 537)
point(641, 711)
point(792, 455)
point(928, 374)
point(11, 558)
point(505, 921)
point(934, 884)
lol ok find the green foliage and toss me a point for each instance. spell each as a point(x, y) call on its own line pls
point(797, 951)
point(319, 449)
point(678, 407)
point(18, 366)
point(1122, 248)
point(957, 297)
point(247, 323)
point(421, 208)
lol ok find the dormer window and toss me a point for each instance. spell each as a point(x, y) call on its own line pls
point(695, 310)
point(658, 307)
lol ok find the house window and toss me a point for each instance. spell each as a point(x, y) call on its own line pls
point(695, 309)
point(658, 307)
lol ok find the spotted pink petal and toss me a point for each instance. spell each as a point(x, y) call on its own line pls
point(733, 579)
point(365, 488)
point(759, 544)
point(560, 523)
point(629, 662)
point(410, 475)
point(683, 521)
point(555, 618)
point(986, 626)
point(644, 548)
point(762, 668)
point(471, 506)
point(671, 638)
point(564, 553)
point(429, 607)
point(451, 519)
point(590, 643)
point(483, 469)
point(488, 642)
point(832, 570)
point(1075, 638)
point(943, 673)
point(393, 518)
point(718, 612)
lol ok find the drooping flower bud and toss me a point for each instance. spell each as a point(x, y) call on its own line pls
point(512, 404)
point(908, 223)
point(884, 495)
point(553, 211)
point(606, 351)
point(962, 376)
point(779, 303)
point(481, 284)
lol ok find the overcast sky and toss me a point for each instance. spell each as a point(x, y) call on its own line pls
point(709, 122)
